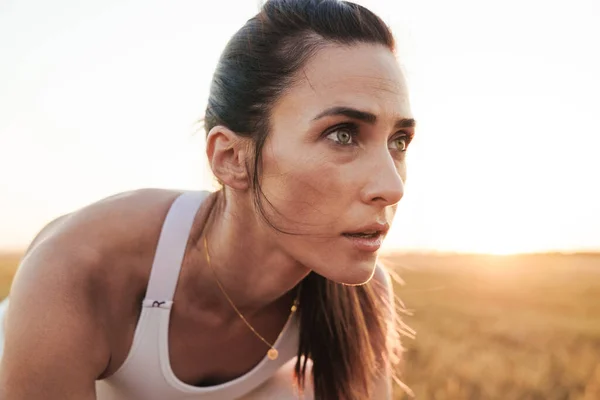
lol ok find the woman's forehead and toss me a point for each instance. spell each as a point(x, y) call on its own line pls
point(364, 76)
point(372, 65)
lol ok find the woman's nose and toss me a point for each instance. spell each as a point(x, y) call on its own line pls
point(384, 183)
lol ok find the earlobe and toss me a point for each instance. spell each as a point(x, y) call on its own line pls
point(227, 154)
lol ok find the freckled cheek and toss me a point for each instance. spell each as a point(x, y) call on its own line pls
point(306, 186)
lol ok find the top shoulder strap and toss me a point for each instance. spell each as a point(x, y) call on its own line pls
point(171, 248)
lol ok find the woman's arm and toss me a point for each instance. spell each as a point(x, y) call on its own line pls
point(55, 344)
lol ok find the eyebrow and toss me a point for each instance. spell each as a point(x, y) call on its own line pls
point(364, 116)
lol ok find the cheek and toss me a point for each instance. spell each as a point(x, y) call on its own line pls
point(305, 188)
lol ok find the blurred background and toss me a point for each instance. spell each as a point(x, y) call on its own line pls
point(498, 237)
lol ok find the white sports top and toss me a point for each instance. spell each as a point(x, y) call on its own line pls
point(146, 373)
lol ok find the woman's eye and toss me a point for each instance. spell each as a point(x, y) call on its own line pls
point(342, 136)
point(400, 143)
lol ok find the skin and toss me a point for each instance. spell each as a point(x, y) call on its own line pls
point(77, 294)
point(319, 188)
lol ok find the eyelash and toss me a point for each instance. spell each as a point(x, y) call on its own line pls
point(353, 130)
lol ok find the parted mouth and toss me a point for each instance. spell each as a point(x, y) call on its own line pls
point(368, 235)
point(369, 231)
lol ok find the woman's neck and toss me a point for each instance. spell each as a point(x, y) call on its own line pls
point(244, 257)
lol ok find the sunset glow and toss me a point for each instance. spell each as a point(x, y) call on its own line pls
point(98, 98)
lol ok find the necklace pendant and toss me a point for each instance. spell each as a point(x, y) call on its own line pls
point(272, 354)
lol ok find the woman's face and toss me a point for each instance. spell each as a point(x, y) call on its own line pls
point(334, 160)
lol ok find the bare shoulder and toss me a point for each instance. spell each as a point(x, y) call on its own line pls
point(75, 270)
point(109, 224)
point(96, 247)
point(104, 245)
point(86, 244)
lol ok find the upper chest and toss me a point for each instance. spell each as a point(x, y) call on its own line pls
point(200, 349)
point(203, 350)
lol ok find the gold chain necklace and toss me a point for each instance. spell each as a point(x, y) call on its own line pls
point(272, 353)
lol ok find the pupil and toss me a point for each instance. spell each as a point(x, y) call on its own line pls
point(344, 137)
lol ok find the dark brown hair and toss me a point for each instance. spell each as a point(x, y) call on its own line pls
point(344, 329)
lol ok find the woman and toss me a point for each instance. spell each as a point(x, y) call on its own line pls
point(265, 289)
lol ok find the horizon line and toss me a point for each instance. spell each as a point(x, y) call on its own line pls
point(419, 251)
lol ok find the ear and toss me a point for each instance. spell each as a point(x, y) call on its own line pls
point(227, 154)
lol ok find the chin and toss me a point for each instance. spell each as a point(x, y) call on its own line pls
point(336, 261)
point(351, 272)
point(360, 276)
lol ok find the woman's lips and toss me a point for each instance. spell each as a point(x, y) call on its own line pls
point(366, 243)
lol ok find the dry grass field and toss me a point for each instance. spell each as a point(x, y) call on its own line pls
point(502, 327)
point(492, 327)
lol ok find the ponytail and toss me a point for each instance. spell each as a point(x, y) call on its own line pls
point(347, 333)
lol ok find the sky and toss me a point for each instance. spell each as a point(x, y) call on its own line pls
point(101, 97)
